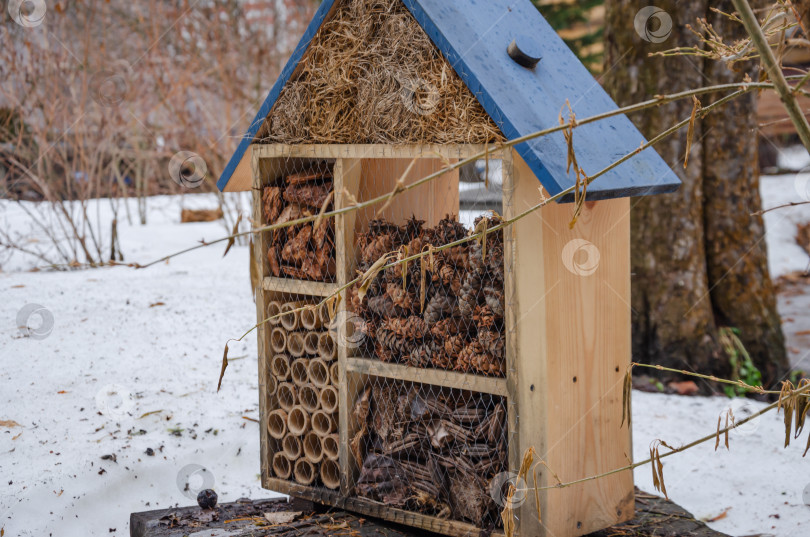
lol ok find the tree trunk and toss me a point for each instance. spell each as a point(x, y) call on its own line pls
point(699, 259)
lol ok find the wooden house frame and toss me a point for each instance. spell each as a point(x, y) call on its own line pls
point(567, 330)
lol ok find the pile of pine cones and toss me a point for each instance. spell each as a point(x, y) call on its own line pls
point(304, 252)
point(445, 310)
point(435, 453)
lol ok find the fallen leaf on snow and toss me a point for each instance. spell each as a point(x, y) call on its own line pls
point(282, 517)
point(157, 304)
point(9, 423)
point(61, 391)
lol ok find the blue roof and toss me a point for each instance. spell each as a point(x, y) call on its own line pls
point(473, 35)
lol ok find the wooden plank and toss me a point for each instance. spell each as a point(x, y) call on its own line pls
point(347, 177)
point(435, 377)
point(510, 320)
point(429, 202)
point(261, 268)
point(372, 151)
point(289, 286)
point(573, 338)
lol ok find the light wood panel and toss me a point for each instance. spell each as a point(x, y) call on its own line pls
point(429, 202)
point(573, 345)
point(435, 377)
point(289, 286)
point(371, 151)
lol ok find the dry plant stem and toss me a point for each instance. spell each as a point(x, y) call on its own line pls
point(741, 384)
point(791, 204)
point(774, 70)
point(743, 87)
point(713, 436)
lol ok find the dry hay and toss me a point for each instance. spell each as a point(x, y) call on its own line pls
point(372, 75)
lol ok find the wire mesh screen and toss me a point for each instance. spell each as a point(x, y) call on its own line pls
point(306, 251)
point(436, 446)
point(300, 352)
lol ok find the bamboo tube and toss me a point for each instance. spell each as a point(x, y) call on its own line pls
point(292, 447)
point(313, 451)
point(282, 466)
point(277, 424)
point(318, 372)
point(287, 396)
point(334, 374)
point(291, 321)
point(329, 399)
point(330, 445)
point(323, 315)
point(322, 423)
point(271, 386)
point(299, 371)
point(310, 319)
point(326, 346)
point(304, 472)
point(298, 421)
point(280, 366)
point(295, 344)
point(311, 343)
point(278, 340)
point(272, 310)
point(330, 474)
point(309, 397)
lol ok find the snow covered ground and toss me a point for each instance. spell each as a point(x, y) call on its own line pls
point(113, 408)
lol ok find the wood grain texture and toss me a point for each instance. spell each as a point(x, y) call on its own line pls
point(435, 377)
point(429, 202)
point(289, 286)
point(573, 327)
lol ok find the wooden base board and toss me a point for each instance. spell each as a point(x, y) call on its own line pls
point(379, 510)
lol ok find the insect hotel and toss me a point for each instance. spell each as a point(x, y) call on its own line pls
point(414, 395)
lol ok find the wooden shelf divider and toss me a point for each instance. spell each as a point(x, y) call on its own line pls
point(298, 287)
point(436, 377)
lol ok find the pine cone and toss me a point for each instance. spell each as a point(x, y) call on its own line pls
point(489, 365)
point(412, 327)
point(492, 342)
point(484, 317)
point(420, 356)
point(449, 230)
point(401, 298)
point(383, 306)
point(466, 355)
point(383, 354)
point(440, 359)
point(450, 326)
point(376, 247)
point(454, 345)
point(470, 294)
point(398, 346)
point(438, 307)
point(493, 297)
